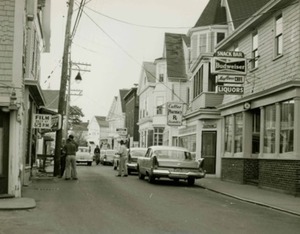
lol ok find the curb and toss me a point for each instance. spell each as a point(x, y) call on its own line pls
point(251, 201)
point(22, 203)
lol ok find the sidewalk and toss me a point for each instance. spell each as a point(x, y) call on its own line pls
point(248, 193)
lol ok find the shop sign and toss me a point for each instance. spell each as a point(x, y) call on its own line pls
point(174, 116)
point(228, 62)
point(122, 131)
point(238, 90)
point(209, 124)
point(230, 79)
point(42, 121)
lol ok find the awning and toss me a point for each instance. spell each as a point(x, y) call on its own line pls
point(36, 91)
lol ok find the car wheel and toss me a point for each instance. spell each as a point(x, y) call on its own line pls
point(141, 176)
point(151, 179)
point(176, 181)
point(89, 163)
point(129, 172)
point(191, 181)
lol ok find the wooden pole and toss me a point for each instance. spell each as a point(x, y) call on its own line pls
point(63, 84)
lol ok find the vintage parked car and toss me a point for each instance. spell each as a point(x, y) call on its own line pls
point(171, 162)
point(107, 157)
point(83, 155)
point(133, 155)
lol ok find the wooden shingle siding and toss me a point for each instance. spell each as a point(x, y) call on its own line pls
point(7, 9)
point(272, 71)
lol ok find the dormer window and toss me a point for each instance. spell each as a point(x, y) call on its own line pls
point(161, 72)
point(220, 36)
point(161, 78)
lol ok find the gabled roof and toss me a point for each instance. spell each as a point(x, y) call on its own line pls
point(123, 92)
point(241, 10)
point(175, 55)
point(150, 70)
point(101, 120)
point(51, 99)
point(213, 14)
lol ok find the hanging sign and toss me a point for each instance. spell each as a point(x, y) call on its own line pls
point(228, 62)
point(43, 121)
point(174, 116)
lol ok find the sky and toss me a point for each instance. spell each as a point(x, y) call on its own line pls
point(114, 37)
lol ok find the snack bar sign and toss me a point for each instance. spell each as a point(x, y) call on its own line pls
point(43, 121)
point(228, 62)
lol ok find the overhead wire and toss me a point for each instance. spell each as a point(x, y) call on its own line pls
point(155, 27)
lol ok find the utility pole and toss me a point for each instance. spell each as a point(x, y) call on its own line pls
point(68, 104)
point(63, 84)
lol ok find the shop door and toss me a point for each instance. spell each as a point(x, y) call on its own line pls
point(4, 136)
point(209, 149)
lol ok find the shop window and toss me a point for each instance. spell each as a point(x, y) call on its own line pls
point(287, 127)
point(238, 133)
point(255, 131)
point(269, 131)
point(188, 142)
point(158, 136)
point(228, 133)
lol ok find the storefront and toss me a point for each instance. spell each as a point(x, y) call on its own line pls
point(261, 140)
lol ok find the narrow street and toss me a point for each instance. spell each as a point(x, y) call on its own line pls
point(100, 202)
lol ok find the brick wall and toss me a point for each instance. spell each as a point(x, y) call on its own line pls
point(283, 175)
point(233, 169)
point(251, 170)
point(280, 174)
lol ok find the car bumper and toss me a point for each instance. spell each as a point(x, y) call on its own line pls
point(84, 160)
point(132, 166)
point(178, 175)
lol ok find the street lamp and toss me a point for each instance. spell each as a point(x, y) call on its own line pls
point(78, 78)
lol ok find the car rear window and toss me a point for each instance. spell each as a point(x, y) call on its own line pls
point(173, 154)
point(85, 150)
point(138, 153)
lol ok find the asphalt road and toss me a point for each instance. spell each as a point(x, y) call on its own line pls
point(99, 202)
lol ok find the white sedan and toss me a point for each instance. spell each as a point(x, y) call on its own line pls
point(83, 155)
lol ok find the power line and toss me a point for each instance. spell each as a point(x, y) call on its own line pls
point(137, 25)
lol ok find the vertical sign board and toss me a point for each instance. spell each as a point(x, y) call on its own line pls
point(230, 67)
point(122, 132)
point(174, 116)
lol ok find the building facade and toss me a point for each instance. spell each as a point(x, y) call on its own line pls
point(25, 34)
point(131, 117)
point(261, 126)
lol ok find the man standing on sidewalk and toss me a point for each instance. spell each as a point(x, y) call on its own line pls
point(123, 159)
point(71, 148)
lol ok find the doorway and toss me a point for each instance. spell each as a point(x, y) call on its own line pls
point(4, 142)
point(209, 149)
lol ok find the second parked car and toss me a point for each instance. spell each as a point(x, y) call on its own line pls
point(133, 155)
